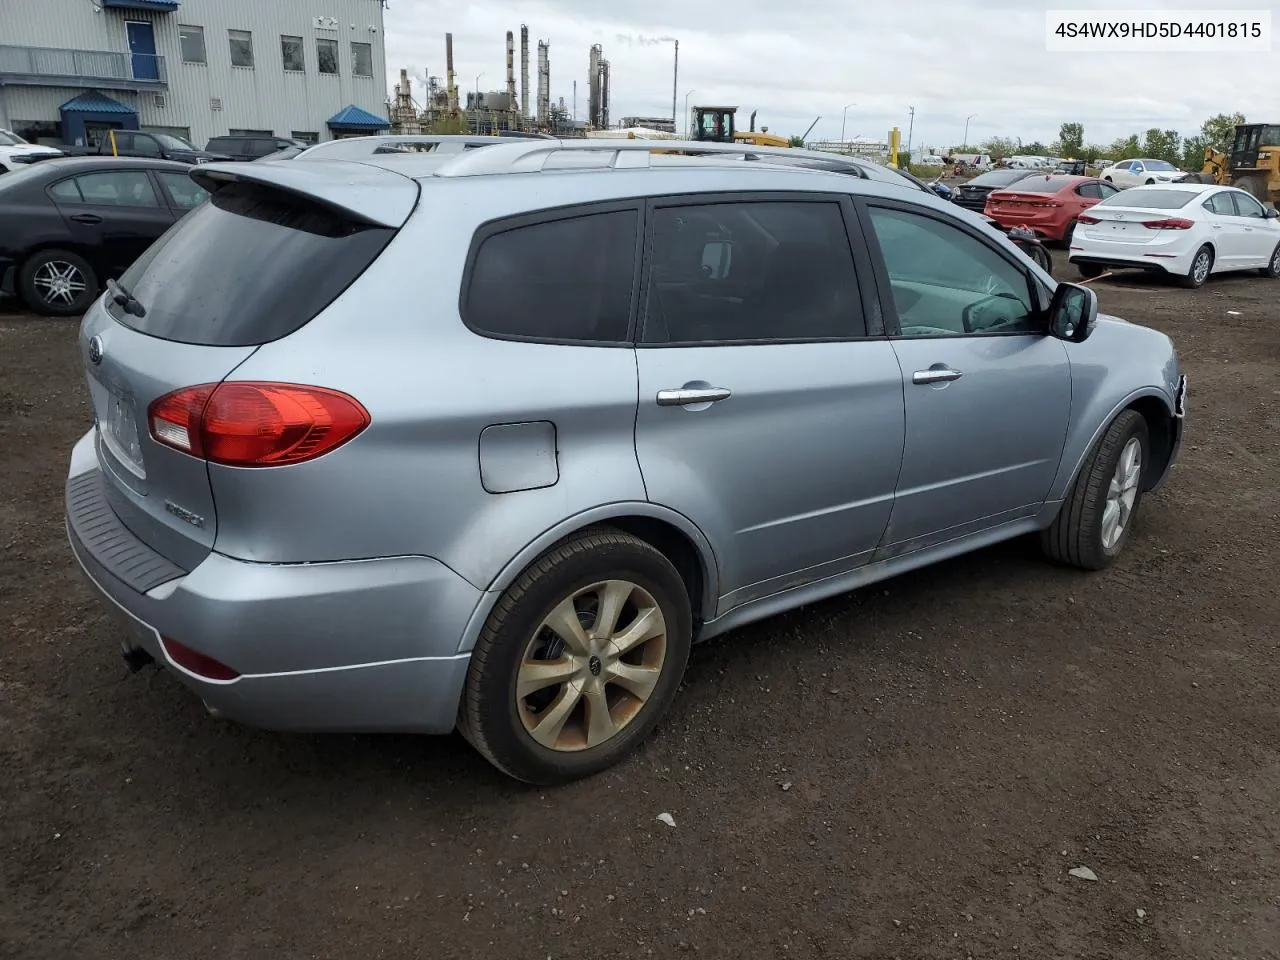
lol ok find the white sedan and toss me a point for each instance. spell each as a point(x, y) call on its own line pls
point(1185, 230)
point(1132, 173)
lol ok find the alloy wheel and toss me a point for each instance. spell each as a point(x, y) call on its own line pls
point(59, 282)
point(591, 666)
point(1200, 268)
point(1121, 493)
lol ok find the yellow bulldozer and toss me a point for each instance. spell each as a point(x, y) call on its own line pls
point(716, 125)
point(1253, 163)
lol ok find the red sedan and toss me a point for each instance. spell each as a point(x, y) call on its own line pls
point(1047, 204)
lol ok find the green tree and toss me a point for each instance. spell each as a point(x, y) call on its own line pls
point(1193, 153)
point(1126, 148)
point(1163, 145)
point(1071, 139)
point(999, 147)
point(1035, 149)
point(795, 141)
point(1219, 131)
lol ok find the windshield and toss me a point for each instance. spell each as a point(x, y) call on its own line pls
point(8, 139)
point(1158, 165)
point(1149, 199)
point(172, 143)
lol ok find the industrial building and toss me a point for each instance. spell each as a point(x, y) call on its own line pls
point(308, 69)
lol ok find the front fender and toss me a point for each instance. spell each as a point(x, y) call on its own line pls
point(1121, 365)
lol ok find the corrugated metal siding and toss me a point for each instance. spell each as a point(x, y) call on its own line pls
point(42, 103)
point(264, 97)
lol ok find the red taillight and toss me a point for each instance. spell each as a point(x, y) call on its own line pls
point(1173, 223)
point(196, 662)
point(1085, 218)
point(251, 424)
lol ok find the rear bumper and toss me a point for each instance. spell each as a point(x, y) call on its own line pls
point(1174, 266)
point(367, 645)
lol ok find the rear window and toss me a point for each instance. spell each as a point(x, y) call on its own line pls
point(1150, 199)
point(250, 266)
point(1043, 184)
point(997, 178)
point(568, 279)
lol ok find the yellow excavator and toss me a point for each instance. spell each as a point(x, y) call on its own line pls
point(1253, 163)
point(716, 125)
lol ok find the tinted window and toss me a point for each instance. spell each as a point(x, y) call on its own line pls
point(947, 283)
point(291, 53)
point(568, 279)
point(184, 191)
point(1090, 191)
point(1150, 198)
point(997, 178)
point(141, 145)
point(250, 266)
point(327, 54)
point(762, 270)
point(64, 191)
point(1220, 203)
point(1108, 190)
point(1040, 184)
point(1247, 206)
point(119, 188)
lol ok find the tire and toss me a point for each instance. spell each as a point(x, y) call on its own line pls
point(501, 724)
point(1201, 266)
point(1253, 184)
point(1272, 269)
point(42, 288)
point(1090, 270)
point(1080, 535)
point(1067, 234)
point(1041, 257)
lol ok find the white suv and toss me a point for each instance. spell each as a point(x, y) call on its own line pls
point(16, 152)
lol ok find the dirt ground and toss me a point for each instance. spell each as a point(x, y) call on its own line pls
point(907, 772)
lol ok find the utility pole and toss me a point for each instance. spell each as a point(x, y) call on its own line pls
point(911, 125)
point(966, 130)
point(675, 82)
point(844, 115)
point(575, 100)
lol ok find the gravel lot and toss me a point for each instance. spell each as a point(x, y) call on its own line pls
point(906, 772)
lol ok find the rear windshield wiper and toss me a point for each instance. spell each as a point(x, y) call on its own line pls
point(123, 298)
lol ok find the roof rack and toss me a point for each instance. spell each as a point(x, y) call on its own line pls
point(354, 147)
point(534, 156)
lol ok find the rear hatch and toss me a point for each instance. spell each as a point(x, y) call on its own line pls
point(266, 254)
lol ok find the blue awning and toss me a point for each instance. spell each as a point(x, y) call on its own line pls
point(155, 6)
point(353, 118)
point(91, 101)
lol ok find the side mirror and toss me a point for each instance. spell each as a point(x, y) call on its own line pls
point(1073, 312)
point(1271, 213)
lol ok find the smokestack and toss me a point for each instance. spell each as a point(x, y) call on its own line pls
point(511, 72)
point(524, 71)
point(604, 94)
point(593, 86)
point(452, 87)
point(544, 81)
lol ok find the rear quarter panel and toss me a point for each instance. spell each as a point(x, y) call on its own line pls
point(1119, 364)
point(411, 484)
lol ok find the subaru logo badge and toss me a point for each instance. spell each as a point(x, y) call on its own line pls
point(95, 350)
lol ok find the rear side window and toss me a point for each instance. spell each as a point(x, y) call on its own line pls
point(250, 266)
point(568, 279)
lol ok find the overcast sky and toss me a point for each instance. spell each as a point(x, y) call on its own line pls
point(794, 60)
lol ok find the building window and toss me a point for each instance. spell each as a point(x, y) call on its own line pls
point(327, 52)
point(306, 136)
point(291, 51)
point(191, 39)
point(241, 48)
point(362, 59)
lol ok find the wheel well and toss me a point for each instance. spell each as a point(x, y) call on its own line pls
point(1160, 432)
point(676, 547)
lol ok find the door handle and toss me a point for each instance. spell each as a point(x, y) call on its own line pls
point(690, 395)
point(936, 375)
point(86, 218)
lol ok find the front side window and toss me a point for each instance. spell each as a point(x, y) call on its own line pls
point(362, 59)
point(191, 42)
point(1247, 206)
point(751, 271)
point(119, 188)
point(946, 283)
point(568, 279)
point(291, 54)
point(241, 43)
point(327, 55)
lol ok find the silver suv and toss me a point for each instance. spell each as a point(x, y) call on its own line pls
point(487, 440)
